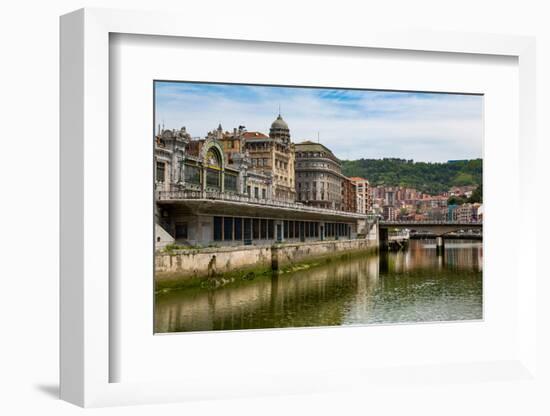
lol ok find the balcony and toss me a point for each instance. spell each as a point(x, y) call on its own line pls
point(167, 197)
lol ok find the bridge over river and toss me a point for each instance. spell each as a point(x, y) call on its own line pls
point(438, 229)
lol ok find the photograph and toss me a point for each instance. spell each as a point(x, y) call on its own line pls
point(243, 208)
point(280, 206)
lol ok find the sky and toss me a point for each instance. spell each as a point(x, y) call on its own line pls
point(354, 124)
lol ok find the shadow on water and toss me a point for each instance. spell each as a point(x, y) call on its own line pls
point(411, 286)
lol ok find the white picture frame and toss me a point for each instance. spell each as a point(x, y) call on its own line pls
point(85, 208)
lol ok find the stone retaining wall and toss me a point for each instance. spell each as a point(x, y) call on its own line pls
point(211, 261)
point(284, 255)
point(189, 264)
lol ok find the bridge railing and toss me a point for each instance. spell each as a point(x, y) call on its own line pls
point(430, 222)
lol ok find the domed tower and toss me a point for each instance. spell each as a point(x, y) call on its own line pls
point(279, 130)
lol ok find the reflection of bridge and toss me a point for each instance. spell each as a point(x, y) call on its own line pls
point(436, 228)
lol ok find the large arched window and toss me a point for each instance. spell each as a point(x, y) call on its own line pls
point(213, 168)
point(213, 159)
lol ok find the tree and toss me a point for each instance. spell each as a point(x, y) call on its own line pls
point(431, 178)
point(455, 200)
point(477, 195)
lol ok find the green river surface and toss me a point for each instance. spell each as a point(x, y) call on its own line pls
point(415, 285)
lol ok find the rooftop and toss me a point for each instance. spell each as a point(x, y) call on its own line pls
point(358, 179)
point(254, 135)
point(309, 146)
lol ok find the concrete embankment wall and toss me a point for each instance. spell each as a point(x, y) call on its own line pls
point(191, 264)
point(297, 253)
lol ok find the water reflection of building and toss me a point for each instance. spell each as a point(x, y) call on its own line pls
point(459, 254)
point(317, 296)
point(394, 287)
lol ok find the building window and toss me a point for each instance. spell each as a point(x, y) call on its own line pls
point(247, 229)
point(227, 228)
point(212, 178)
point(248, 190)
point(291, 229)
point(230, 182)
point(238, 229)
point(286, 229)
point(217, 228)
point(181, 230)
point(263, 229)
point(192, 174)
point(161, 171)
point(213, 158)
point(270, 231)
point(256, 192)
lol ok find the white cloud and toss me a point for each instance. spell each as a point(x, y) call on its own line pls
point(354, 124)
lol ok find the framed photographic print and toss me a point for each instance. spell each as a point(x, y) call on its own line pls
point(378, 221)
point(276, 213)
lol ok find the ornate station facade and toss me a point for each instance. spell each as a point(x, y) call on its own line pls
point(239, 187)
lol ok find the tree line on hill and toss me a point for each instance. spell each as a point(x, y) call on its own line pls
point(430, 178)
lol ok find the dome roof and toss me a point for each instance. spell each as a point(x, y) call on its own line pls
point(279, 123)
point(167, 134)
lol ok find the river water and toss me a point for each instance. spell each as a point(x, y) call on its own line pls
point(415, 285)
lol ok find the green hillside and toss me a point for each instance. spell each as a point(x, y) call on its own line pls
point(431, 178)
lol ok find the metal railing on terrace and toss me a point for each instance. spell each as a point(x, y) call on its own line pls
point(245, 199)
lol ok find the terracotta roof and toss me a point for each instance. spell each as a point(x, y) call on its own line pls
point(254, 135)
point(358, 179)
